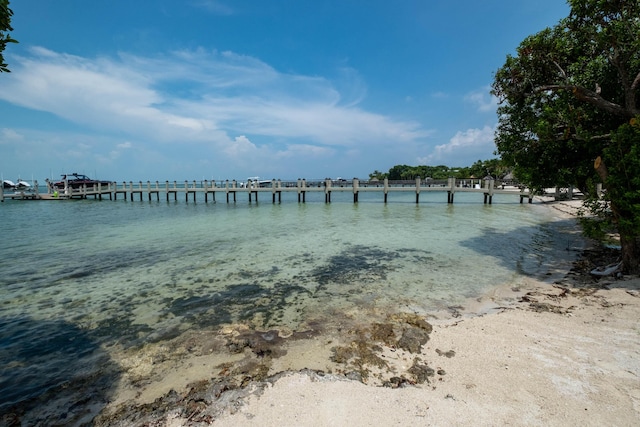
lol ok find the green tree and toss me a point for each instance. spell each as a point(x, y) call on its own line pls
point(5, 26)
point(569, 97)
point(376, 174)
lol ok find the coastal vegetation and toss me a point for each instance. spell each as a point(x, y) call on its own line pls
point(480, 169)
point(569, 114)
point(5, 26)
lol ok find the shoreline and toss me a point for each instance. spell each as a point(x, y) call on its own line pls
point(561, 354)
point(539, 353)
point(360, 353)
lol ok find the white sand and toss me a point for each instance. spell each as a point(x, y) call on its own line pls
point(516, 367)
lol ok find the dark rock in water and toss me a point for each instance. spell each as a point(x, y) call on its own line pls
point(341, 354)
point(413, 339)
point(413, 320)
point(383, 332)
point(263, 344)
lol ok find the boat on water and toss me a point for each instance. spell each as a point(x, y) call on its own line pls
point(22, 185)
point(76, 180)
point(256, 181)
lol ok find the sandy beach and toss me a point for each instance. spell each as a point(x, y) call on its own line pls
point(537, 353)
point(560, 357)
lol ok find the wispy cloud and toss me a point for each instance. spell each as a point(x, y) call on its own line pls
point(482, 100)
point(467, 144)
point(234, 110)
point(213, 6)
point(196, 96)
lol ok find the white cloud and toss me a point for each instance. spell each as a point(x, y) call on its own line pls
point(197, 96)
point(10, 136)
point(230, 112)
point(483, 100)
point(240, 146)
point(468, 144)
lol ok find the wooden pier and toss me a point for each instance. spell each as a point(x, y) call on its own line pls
point(274, 188)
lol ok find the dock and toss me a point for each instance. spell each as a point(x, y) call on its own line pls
point(273, 189)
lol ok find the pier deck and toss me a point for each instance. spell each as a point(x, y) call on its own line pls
point(230, 189)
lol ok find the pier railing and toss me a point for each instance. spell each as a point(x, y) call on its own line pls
point(231, 188)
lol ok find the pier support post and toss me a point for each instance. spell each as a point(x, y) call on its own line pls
point(452, 190)
point(327, 190)
point(356, 184)
point(386, 189)
point(488, 195)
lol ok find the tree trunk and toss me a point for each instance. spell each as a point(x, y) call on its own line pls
point(600, 168)
point(630, 254)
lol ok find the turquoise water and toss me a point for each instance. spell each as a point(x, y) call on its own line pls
point(80, 277)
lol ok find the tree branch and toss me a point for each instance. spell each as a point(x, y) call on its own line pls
point(593, 98)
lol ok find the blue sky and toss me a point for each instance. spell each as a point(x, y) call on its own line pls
point(222, 89)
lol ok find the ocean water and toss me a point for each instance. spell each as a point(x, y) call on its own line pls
point(83, 278)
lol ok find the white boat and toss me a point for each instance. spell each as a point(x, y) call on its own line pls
point(257, 182)
point(6, 184)
point(22, 185)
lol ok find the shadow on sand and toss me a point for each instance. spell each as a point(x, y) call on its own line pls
point(553, 252)
point(543, 251)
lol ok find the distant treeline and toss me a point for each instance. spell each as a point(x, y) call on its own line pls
point(480, 169)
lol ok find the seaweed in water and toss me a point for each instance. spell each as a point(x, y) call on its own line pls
point(54, 373)
point(237, 303)
point(355, 264)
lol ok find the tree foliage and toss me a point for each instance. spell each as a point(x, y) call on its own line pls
point(569, 97)
point(5, 26)
point(480, 169)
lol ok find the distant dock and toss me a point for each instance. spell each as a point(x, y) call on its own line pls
point(229, 190)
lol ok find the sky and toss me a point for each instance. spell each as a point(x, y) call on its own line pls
point(229, 89)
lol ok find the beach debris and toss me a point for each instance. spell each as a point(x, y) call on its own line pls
point(421, 372)
point(449, 354)
point(396, 382)
point(607, 270)
point(540, 307)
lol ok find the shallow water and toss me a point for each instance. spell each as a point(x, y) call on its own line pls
point(78, 278)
